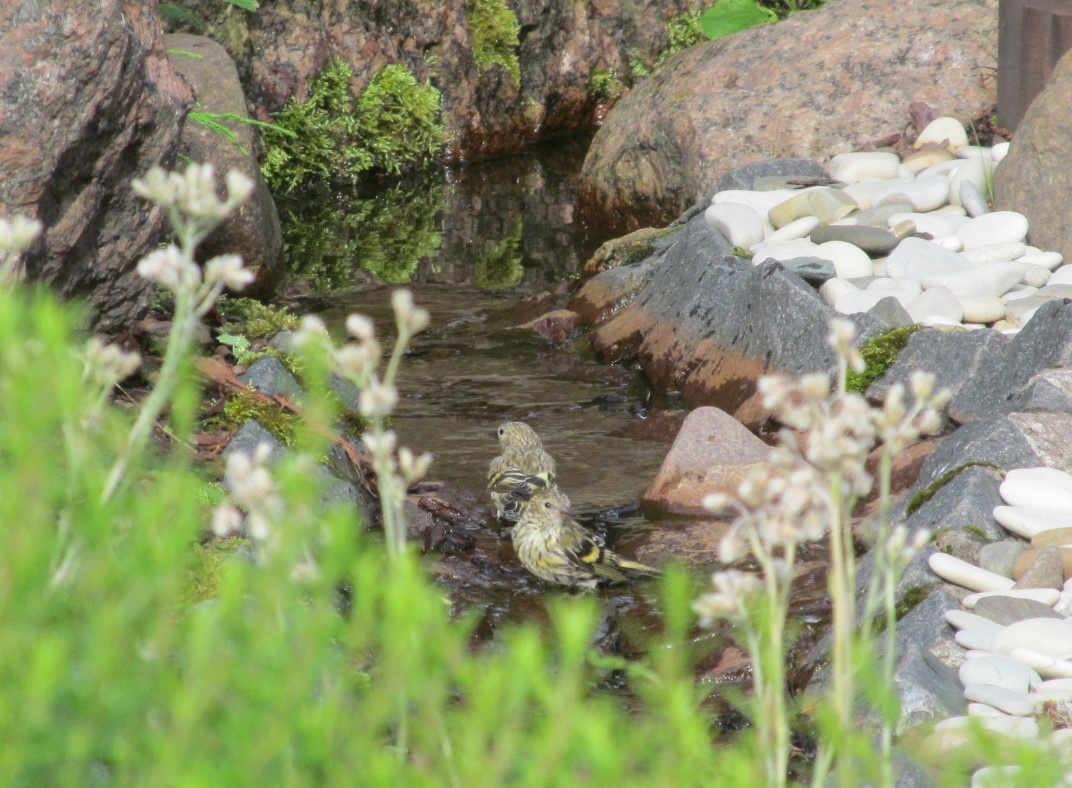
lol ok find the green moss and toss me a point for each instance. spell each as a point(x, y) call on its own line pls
point(326, 236)
point(879, 355)
point(912, 597)
point(604, 85)
point(246, 406)
point(496, 36)
point(931, 489)
point(395, 123)
point(253, 319)
point(207, 565)
point(974, 529)
point(499, 265)
point(683, 32)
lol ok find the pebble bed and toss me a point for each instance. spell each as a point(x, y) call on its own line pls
point(913, 240)
point(909, 240)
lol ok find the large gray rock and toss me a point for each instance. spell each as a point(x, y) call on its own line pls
point(999, 384)
point(785, 90)
point(710, 324)
point(998, 441)
point(88, 102)
point(563, 45)
point(1034, 178)
point(951, 356)
point(253, 230)
point(966, 502)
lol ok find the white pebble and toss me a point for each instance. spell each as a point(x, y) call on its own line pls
point(961, 573)
point(853, 167)
point(962, 619)
point(996, 253)
point(1000, 671)
point(740, 224)
point(798, 228)
point(1030, 521)
point(1047, 596)
point(1002, 699)
point(1050, 636)
point(1050, 260)
point(1045, 665)
point(989, 279)
point(999, 151)
point(833, 289)
point(850, 262)
point(925, 193)
point(945, 131)
point(981, 309)
point(994, 228)
point(937, 305)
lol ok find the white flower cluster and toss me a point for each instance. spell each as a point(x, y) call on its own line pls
point(252, 489)
point(106, 365)
point(16, 235)
point(193, 193)
point(818, 471)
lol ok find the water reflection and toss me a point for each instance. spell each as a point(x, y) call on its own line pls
point(499, 225)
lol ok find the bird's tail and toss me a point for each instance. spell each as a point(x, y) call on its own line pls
point(637, 567)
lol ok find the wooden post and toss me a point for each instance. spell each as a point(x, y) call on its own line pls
point(1032, 36)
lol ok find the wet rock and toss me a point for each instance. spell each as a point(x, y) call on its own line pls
point(253, 230)
point(556, 326)
point(713, 452)
point(695, 117)
point(249, 436)
point(1033, 178)
point(268, 376)
point(710, 324)
point(694, 543)
point(1045, 342)
point(661, 427)
point(603, 296)
point(561, 47)
point(88, 103)
point(632, 248)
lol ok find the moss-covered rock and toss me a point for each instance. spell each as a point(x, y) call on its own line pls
point(495, 32)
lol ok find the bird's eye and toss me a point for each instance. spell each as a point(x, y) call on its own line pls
point(501, 432)
point(547, 505)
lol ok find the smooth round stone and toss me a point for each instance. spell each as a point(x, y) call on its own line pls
point(915, 259)
point(1020, 291)
point(783, 250)
point(999, 556)
point(950, 210)
point(861, 301)
point(961, 573)
point(978, 172)
point(999, 151)
point(1001, 698)
point(982, 309)
point(971, 197)
point(833, 289)
point(934, 225)
point(951, 242)
point(880, 217)
point(944, 131)
point(823, 202)
point(1055, 684)
point(1055, 537)
point(906, 286)
point(798, 228)
point(990, 279)
point(1040, 697)
point(946, 168)
point(994, 228)
point(979, 639)
point(1046, 666)
point(859, 166)
point(1048, 260)
point(973, 151)
point(999, 671)
point(863, 192)
point(920, 160)
point(1034, 275)
point(851, 262)
point(873, 240)
point(962, 619)
point(1062, 276)
point(1005, 610)
point(983, 710)
point(937, 305)
point(1049, 636)
point(1038, 488)
point(1047, 596)
point(740, 224)
point(760, 201)
point(1029, 521)
point(903, 230)
point(996, 253)
point(925, 193)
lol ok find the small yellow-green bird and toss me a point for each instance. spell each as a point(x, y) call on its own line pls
point(558, 549)
point(522, 470)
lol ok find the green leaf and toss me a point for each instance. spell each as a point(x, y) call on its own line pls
point(246, 5)
point(732, 16)
point(177, 13)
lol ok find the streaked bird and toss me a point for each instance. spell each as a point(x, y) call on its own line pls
point(558, 549)
point(522, 470)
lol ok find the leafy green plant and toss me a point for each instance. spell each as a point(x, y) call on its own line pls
point(394, 124)
point(731, 16)
point(495, 32)
point(216, 122)
point(879, 354)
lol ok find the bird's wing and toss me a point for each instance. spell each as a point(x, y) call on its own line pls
point(586, 551)
point(514, 481)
